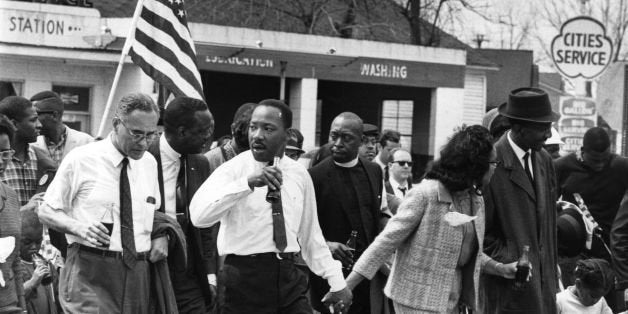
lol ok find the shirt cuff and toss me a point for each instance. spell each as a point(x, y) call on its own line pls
point(336, 282)
point(211, 279)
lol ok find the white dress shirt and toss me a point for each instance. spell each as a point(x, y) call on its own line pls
point(395, 187)
point(87, 188)
point(170, 165)
point(246, 224)
point(520, 152)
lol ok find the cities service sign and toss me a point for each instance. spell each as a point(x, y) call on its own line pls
point(582, 48)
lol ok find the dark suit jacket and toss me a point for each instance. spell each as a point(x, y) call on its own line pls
point(203, 245)
point(519, 213)
point(333, 207)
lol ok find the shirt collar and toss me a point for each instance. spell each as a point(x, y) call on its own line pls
point(349, 164)
point(518, 150)
point(167, 150)
point(64, 136)
point(395, 185)
point(115, 156)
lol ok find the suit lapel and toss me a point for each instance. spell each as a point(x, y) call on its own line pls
point(539, 177)
point(375, 200)
point(511, 162)
point(340, 191)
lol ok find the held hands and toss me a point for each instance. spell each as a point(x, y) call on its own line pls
point(339, 301)
point(158, 249)
point(95, 233)
point(40, 272)
point(269, 175)
point(342, 253)
point(33, 203)
point(507, 271)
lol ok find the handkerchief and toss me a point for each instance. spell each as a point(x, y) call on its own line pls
point(455, 219)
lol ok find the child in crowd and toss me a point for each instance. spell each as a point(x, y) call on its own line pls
point(38, 274)
point(594, 278)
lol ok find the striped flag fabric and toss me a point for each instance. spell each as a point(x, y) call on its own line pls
point(164, 49)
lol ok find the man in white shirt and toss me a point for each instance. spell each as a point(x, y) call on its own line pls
point(104, 197)
point(389, 140)
point(400, 171)
point(182, 169)
point(258, 234)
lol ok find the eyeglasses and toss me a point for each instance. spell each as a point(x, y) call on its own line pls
point(494, 163)
point(403, 163)
point(7, 154)
point(138, 135)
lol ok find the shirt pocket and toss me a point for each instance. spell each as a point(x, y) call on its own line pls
point(292, 202)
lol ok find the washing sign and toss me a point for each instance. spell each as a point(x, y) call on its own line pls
point(582, 48)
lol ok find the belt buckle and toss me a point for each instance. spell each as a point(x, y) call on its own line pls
point(278, 256)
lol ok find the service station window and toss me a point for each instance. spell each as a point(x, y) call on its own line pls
point(76, 100)
point(397, 115)
point(10, 88)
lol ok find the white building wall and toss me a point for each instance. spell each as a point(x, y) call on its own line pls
point(474, 97)
point(447, 113)
point(303, 95)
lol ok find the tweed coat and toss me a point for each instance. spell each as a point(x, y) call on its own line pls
point(519, 213)
point(427, 249)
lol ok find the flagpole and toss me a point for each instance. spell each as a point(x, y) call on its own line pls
point(125, 51)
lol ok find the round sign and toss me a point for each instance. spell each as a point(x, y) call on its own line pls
point(582, 48)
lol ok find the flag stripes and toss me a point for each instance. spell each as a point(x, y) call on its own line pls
point(164, 50)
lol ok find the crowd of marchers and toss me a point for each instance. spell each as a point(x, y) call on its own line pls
point(149, 219)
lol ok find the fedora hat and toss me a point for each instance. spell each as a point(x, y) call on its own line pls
point(571, 230)
point(529, 104)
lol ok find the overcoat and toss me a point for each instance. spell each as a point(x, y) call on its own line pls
point(520, 212)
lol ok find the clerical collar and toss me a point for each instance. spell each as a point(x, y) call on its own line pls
point(349, 164)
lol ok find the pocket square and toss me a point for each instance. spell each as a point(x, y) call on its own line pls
point(456, 219)
point(150, 200)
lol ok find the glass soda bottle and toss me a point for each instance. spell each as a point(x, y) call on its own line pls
point(352, 244)
point(523, 268)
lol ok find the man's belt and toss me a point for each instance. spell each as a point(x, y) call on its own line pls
point(141, 256)
point(269, 255)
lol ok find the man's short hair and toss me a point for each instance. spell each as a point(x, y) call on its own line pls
point(391, 155)
point(7, 127)
point(286, 113)
point(135, 101)
point(181, 112)
point(389, 135)
point(14, 107)
point(30, 221)
point(596, 140)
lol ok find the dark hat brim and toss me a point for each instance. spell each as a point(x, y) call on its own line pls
point(571, 232)
point(289, 147)
point(553, 117)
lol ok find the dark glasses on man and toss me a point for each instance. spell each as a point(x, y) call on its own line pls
point(403, 163)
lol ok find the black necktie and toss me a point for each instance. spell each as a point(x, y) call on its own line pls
point(126, 218)
point(181, 194)
point(403, 190)
point(526, 156)
point(279, 226)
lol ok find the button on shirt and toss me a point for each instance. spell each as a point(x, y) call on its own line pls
point(520, 153)
point(170, 165)
point(87, 188)
point(246, 224)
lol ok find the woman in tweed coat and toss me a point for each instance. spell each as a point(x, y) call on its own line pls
point(438, 232)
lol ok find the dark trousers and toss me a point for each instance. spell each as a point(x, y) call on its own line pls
point(92, 283)
point(188, 291)
point(263, 283)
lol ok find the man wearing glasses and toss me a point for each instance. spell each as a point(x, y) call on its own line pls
point(400, 171)
point(56, 138)
point(104, 198)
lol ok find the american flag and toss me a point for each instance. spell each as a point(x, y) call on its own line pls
point(164, 49)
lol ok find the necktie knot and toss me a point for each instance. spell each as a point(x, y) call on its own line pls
point(125, 161)
point(403, 190)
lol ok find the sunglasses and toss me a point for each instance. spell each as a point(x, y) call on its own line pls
point(403, 163)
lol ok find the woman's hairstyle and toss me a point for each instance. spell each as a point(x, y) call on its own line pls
point(594, 273)
point(464, 159)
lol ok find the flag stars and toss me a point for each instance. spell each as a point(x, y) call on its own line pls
point(178, 1)
point(181, 14)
